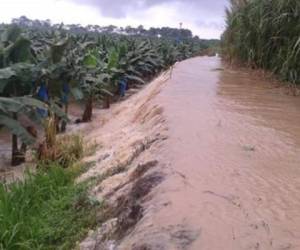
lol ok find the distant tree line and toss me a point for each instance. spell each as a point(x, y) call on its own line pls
point(164, 32)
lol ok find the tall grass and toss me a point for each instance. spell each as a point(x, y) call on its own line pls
point(65, 151)
point(45, 211)
point(265, 34)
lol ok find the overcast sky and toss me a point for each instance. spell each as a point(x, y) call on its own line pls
point(204, 17)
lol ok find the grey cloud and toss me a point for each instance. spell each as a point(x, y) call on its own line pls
point(217, 25)
point(203, 17)
point(122, 8)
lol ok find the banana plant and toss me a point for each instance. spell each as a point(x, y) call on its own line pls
point(15, 70)
point(88, 65)
point(10, 109)
point(17, 74)
point(94, 81)
point(16, 101)
point(52, 70)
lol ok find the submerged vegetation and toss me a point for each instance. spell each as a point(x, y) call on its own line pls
point(42, 66)
point(265, 34)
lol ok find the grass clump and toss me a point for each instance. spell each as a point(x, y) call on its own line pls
point(70, 148)
point(47, 210)
point(66, 151)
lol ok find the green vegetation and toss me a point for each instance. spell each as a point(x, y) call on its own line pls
point(65, 151)
point(265, 34)
point(43, 65)
point(48, 209)
point(45, 211)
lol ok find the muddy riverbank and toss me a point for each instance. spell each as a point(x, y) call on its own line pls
point(204, 157)
point(223, 146)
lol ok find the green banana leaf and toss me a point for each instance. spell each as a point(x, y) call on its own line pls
point(5, 75)
point(77, 93)
point(135, 78)
point(16, 128)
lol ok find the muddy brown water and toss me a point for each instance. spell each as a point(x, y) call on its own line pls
point(233, 163)
point(230, 165)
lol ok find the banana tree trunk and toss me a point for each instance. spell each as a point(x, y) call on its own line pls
point(57, 124)
point(17, 157)
point(88, 111)
point(15, 151)
point(64, 122)
point(33, 132)
point(107, 102)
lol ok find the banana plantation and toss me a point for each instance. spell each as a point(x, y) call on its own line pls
point(265, 34)
point(42, 69)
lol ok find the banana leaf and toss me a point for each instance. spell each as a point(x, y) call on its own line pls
point(53, 107)
point(135, 78)
point(10, 105)
point(113, 59)
point(77, 93)
point(57, 50)
point(90, 61)
point(20, 105)
point(16, 128)
point(20, 51)
point(5, 75)
point(105, 91)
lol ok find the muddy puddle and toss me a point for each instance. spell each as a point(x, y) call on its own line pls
point(231, 161)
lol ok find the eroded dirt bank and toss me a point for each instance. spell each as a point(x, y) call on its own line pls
point(208, 159)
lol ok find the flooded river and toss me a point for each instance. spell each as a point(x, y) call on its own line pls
point(204, 158)
point(232, 163)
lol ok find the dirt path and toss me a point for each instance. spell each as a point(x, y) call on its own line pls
point(226, 178)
